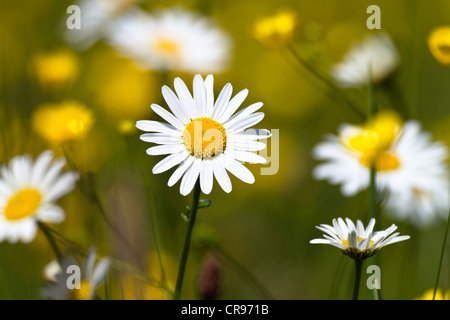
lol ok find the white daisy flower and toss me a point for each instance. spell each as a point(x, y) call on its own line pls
point(28, 191)
point(96, 15)
point(92, 276)
point(374, 57)
point(355, 241)
point(204, 136)
point(421, 205)
point(410, 168)
point(409, 159)
point(171, 39)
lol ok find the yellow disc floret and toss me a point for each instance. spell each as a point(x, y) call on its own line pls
point(23, 204)
point(374, 142)
point(204, 138)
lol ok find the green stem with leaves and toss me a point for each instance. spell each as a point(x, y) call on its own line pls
point(191, 215)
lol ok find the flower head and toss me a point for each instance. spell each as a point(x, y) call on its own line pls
point(355, 241)
point(410, 168)
point(204, 136)
point(277, 30)
point(56, 70)
point(173, 39)
point(375, 59)
point(67, 121)
point(439, 44)
point(28, 191)
point(92, 275)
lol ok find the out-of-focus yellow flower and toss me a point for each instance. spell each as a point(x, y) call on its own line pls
point(428, 295)
point(439, 44)
point(277, 30)
point(126, 127)
point(56, 70)
point(67, 121)
point(374, 140)
point(126, 91)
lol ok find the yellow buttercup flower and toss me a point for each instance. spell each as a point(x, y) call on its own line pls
point(428, 295)
point(126, 91)
point(439, 44)
point(56, 70)
point(277, 30)
point(67, 121)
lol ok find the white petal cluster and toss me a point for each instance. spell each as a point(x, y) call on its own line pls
point(356, 241)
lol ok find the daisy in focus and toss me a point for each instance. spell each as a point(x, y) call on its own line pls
point(409, 166)
point(92, 276)
point(205, 138)
point(28, 191)
point(375, 58)
point(355, 241)
point(171, 39)
point(96, 15)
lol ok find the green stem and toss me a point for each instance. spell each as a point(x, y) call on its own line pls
point(247, 275)
point(327, 82)
point(52, 242)
point(358, 269)
point(151, 202)
point(374, 209)
point(192, 214)
point(436, 284)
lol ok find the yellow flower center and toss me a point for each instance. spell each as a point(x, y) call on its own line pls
point(23, 204)
point(83, 292)
point(168, 48)
point(345, 242)
point(374, 142)
point(204, 138)
point(383, 161)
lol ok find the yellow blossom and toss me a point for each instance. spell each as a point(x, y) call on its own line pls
point(56, 70)
point(374, 139)
point(428, 295)
point(439, 44)
point(67, 121)
point(277, 30)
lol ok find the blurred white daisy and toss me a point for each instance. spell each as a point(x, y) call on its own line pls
point(96, 15)
point(374, 58)
point(92, 276)
point(422, 205)
point(355, 241)
point(410, 168)
point(204, 136)
point(28, 191)
point(171, 39)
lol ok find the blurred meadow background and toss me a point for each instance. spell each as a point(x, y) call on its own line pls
point(263, 229)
